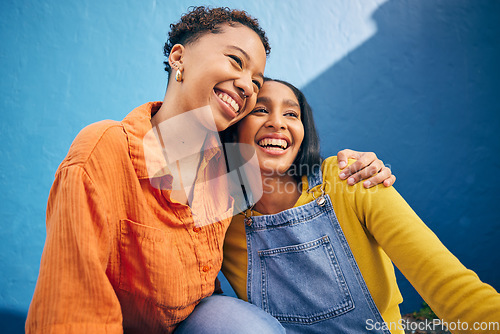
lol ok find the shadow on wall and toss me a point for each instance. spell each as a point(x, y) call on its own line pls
point(12, 322)
point(423, 94)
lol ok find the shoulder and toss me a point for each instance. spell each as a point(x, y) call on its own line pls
point(330, 166)
point(339, 187)
point(366, 204)
point(330, 170)
point(96, 141)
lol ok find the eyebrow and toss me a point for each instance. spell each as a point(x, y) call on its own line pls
point(287, 102)
point(247, 57)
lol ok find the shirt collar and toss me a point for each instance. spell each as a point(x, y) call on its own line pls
point(136, 124)
point(145, 150)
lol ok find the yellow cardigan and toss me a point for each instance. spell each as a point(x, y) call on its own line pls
point(380, 226)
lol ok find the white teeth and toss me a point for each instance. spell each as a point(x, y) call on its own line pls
point(273, 143)
point(235, 105)
point(226, 98)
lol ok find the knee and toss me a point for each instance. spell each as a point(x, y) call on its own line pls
point(223, 314)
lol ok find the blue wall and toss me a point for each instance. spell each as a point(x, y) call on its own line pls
point(415, 81)
point(423, 93)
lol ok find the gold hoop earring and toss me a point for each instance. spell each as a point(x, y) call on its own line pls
point(178, 76)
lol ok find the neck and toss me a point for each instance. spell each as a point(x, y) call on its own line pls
point(172, 106)
point(279, 193)
point(182, 132)
point(182, 135)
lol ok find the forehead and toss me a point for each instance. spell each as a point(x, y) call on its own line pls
point(276, 92)
point(235, 35)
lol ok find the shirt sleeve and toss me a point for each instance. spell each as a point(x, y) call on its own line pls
point(453, 292)
point(73, 293)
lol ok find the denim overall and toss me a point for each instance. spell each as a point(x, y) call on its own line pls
point(302, 271)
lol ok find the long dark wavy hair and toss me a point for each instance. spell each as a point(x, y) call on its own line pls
point(308, 158)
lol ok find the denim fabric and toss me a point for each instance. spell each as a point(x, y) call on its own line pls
point(220, 314)
point(302, 271)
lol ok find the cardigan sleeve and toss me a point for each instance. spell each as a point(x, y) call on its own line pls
point(452, 291)
point(73, 293)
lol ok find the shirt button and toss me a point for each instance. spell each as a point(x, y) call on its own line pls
point(206, 268)
point(196, 229)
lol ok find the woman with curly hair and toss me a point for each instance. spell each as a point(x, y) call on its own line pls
point(133, 241)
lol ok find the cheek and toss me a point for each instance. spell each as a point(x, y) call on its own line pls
point(250, 104)
point(247, 130)
point(300, 136)
point(243, 135)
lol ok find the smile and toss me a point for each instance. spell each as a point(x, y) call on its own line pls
point(228, 100)
point(273, 144)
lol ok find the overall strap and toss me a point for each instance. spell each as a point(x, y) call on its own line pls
point(315, 178)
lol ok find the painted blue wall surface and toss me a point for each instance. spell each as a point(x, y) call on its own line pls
point(417, 82)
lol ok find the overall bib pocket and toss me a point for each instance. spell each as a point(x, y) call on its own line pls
point(315, 288)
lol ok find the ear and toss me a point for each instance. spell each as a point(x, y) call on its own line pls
point(176, 56)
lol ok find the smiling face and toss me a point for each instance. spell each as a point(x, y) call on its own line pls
point(222, 70)
point(274, 128)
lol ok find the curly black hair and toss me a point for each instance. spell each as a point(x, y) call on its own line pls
point(201, 19)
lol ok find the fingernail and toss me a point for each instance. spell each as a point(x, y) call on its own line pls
point(342, 164)
point(342, 176)
point(350, 181)
point(367, 184)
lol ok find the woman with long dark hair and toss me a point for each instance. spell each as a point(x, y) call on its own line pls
point(316, 254)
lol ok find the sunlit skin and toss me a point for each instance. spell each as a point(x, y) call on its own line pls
point(222, 73)
point(274, 122)
point(230, 63)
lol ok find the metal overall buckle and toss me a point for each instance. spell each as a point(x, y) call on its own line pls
point(248, 219)
point(321, 201)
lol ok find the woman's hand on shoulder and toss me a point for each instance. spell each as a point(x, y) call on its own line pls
point(366, 167)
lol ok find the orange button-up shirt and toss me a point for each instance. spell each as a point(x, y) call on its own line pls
point(120, 255)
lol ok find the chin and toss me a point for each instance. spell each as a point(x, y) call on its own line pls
point(274, 171)
point(221, 123)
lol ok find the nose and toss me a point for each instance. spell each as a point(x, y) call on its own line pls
point(276, 121)
point(245, 86)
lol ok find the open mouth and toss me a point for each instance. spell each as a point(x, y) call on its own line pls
point(273, 144)
point(228, 100)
